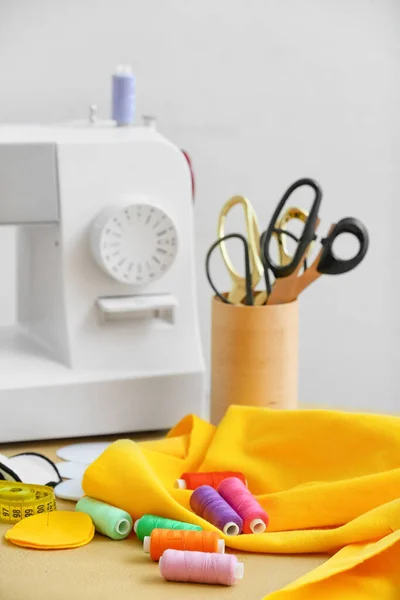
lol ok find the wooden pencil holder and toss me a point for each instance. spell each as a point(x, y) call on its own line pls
point(254, 356)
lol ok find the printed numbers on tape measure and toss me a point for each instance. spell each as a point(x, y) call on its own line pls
point(44, 501)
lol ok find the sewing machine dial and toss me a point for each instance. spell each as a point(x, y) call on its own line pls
point(135, 244)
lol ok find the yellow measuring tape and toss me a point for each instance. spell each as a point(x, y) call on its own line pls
point(21, 500)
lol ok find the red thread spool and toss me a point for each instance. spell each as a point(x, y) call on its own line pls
point(191, 481)
point(236, 494)
point(165, 539)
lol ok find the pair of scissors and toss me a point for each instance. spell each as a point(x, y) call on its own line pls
point(281, 232)
point(243, 288)
point(240, 284)
point(288, 283)
point(247, 281)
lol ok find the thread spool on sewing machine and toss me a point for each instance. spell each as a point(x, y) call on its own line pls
point(107, 336)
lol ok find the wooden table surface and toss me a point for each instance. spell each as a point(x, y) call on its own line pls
point(107, 569)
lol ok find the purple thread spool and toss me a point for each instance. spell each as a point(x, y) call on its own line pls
point(123, 95)
point(208, 504)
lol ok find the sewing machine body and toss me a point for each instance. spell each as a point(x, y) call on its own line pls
point(107, 338)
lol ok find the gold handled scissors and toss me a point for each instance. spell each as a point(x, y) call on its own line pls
point(238, 291)
point(281, 231)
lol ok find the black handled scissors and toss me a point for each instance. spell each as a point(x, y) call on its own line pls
point(248, 279)
point(289, 284)
point(308, 235)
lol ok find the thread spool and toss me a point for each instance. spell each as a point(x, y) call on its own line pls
point(145, 525)
point(165, 539)
point(208, 504)
point(236, 494)
point(191, 481)
point(108, 520)
point(123, 95)
point(200, 567)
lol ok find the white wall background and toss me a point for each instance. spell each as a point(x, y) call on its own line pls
point(260, 92)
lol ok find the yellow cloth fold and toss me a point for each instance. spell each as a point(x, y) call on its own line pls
point(330, 482)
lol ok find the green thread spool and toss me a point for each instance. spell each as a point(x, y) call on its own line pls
point(145, 525)
point(108, 520)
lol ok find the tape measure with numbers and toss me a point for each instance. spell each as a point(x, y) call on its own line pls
point(20, 500)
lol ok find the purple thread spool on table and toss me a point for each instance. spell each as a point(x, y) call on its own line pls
point(123, 95)
point(208, 504)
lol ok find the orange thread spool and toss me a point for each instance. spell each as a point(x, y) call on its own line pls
point(191, 481)
point(173, 539)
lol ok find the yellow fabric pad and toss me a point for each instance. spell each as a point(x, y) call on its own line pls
point(329, 481)
point(52, 531)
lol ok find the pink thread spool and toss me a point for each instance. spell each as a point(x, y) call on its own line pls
point(236, 494)
point(200, 567)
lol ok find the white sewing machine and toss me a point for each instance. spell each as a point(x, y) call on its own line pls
point(107, 336)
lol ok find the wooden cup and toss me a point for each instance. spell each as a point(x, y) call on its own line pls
point(254, 356)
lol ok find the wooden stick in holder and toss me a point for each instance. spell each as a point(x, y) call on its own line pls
point(254, 356)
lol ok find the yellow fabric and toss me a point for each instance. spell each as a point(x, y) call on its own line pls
point(330, 482)
point(52, 531)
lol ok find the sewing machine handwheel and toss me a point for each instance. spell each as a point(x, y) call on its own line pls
point(135, 244)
